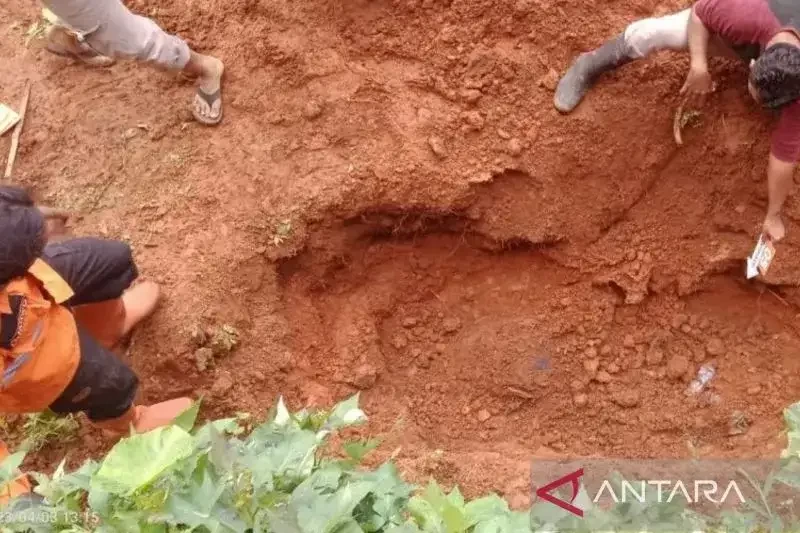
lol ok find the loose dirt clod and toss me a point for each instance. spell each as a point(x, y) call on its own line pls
point(365, 377)
point(223, 340)
point(198, 336)
point(222, 385)
point(474, 120)
point(312, 110)
point(629, 341)
point(471, 96)
point(451, 325)
point(677, 367)
point(437, 147)
point(203, 358)
point(715, 347)
point(739, 423)
point(627, 399)
point(550, 80)
point(603, 377)
point(655, 356)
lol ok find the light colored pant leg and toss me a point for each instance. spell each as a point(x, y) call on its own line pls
point(112, 30)
point(646, 36)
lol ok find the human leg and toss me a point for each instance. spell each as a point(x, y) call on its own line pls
point(109, 321)
point(639, 39)
point(109, 28)
point(105, 389)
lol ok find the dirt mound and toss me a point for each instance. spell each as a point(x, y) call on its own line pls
point(393, 205)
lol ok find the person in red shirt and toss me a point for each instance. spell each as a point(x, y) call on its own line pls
point(764, 33)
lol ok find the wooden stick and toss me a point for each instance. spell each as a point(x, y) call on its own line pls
point(779, 298)
point(12, 154)
point(676, 125)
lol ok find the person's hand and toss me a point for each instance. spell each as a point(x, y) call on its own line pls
point(773, 227)
point(698, 84)
point(55, 222)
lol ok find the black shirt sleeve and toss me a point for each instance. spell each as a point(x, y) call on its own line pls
point(95, 269)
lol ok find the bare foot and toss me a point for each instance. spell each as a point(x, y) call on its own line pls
point(140, 302)
point(161, 414)
point(207, 107)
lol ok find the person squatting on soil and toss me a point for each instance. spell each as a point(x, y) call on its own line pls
point(64, 305)
point(100, 30)
point(764, 33)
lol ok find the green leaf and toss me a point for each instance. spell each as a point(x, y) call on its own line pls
point(738, 522)
point(456, 498)
point(357, 450)
point(282, 417)
point(187, 419)
point(789, 474)
point(436, 512)
point(62, 486)
point(426, 516)
point(451, 507)
point(291, 456)
point(345, 414)
point(387, 499)
point(791, 415)
point(140, 459)
point(225, 426)
point(321, 504)
point(193, 507)
point(221, 453)
point(408, 527)
point(9, 467)
point(485, 509)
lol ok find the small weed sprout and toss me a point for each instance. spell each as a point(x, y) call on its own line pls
point(42, 429)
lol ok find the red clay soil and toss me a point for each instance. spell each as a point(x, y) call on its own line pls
point(392, 205)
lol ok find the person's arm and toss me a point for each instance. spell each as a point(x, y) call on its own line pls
point(698, 81)
point(780, 177)
point(783, 157)
point(698, 43)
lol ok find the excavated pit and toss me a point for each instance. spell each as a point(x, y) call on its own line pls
point(576, 244)
point(475, 346)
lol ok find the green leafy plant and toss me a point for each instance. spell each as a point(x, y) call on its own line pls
point(43, 428)
point(232, 475)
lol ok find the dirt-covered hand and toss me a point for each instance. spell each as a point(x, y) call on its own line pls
point(698, 84)
point(55, 222)
point(56, 229)
point(773, 227)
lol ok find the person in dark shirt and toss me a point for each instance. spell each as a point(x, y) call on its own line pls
point(64, 306)
point(762, 32)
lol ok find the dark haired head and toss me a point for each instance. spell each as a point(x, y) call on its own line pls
point(775, 76)
point(22, 233)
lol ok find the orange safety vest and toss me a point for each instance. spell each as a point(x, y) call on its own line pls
point(44, 350)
